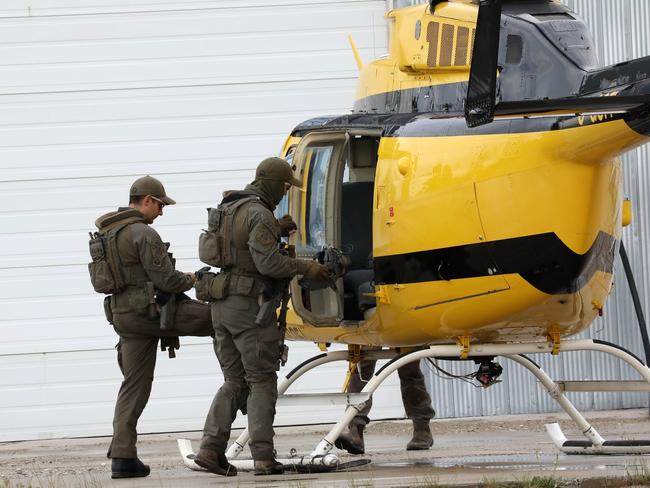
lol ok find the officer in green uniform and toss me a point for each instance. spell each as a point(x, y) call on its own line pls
point(416, 400)
point(147, 270)
point(249, 353)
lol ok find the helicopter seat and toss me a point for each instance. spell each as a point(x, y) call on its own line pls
point(356, 240)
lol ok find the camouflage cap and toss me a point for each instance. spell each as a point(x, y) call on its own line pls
point(148, 185)
point(276, 169)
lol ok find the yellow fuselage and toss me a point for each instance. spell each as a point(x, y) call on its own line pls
point(544, 204)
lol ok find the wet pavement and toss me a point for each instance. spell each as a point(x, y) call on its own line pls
point(467, 452)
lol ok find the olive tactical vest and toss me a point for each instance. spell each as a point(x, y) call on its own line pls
point(216, 246)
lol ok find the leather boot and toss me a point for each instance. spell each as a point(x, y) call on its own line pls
point(215, 462)
point(422, 438)
point(352, 440)
point(267, 466)
point(128, 468)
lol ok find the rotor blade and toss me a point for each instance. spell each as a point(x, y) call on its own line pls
point(481, 96)
point(572, 104)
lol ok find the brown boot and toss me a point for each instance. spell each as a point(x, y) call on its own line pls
point(422, 438)
point(352, 440)
point(267, 466)
point(215, 462)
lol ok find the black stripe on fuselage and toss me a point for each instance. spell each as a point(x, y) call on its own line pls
point(543, 260)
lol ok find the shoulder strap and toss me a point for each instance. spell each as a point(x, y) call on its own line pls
point(112, 253)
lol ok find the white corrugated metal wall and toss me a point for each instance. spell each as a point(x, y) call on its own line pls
point(620, 32)
point(95, 93)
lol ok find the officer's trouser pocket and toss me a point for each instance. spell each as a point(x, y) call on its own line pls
point(268, 348)
point(107, 309)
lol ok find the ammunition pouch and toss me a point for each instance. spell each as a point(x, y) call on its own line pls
point(202, 287)
point(219, 286)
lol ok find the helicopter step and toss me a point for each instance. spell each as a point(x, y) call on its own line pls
point(322, 458)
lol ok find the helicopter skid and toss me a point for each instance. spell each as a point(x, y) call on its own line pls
point(586, 447)
point(593, 444)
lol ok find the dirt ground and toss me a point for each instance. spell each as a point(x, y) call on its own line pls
point(467, 452)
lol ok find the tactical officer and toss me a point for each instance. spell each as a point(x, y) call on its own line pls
point(148, 271)
point(415, 398)
point(249, 353)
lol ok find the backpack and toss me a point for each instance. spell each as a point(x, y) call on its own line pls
point(105, 268)
point(215, 246)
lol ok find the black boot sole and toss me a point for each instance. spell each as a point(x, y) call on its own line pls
point(121, 475)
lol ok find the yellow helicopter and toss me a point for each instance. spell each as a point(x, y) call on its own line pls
point(471, 204)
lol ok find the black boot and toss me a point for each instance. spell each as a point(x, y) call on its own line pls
point(215, 461)
point(128, 468)
point(267, 466)
point(422, 438)
point(352, 440)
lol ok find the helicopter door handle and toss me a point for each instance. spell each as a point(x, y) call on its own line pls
point(390, 222)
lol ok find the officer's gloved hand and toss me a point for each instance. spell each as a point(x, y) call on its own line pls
point(316, 271)
point(287, 226)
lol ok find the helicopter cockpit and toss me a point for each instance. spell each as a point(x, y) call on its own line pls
point(334, 210)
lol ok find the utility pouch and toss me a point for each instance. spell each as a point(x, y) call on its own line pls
point(219, 286)
point(107, 310)
point(202, 287)
point(211, 241)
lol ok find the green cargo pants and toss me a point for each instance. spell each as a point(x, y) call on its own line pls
point(415, 397)
point(248, 356)
point(136, 356)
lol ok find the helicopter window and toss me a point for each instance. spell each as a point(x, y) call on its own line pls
point(319, 161)
point(514, 49)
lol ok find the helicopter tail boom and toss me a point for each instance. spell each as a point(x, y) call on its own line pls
point(622, 87)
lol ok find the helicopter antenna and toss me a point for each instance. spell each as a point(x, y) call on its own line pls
point(355, 51)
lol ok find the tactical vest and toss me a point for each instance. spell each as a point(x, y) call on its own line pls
point(216, 246)
point(107, 273)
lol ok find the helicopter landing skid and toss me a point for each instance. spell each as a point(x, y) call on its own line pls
point(594, 443)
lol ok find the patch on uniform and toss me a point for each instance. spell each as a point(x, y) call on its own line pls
point(158, 254)
point(264, 237)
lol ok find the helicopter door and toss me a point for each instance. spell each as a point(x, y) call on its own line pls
point(319, 162)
